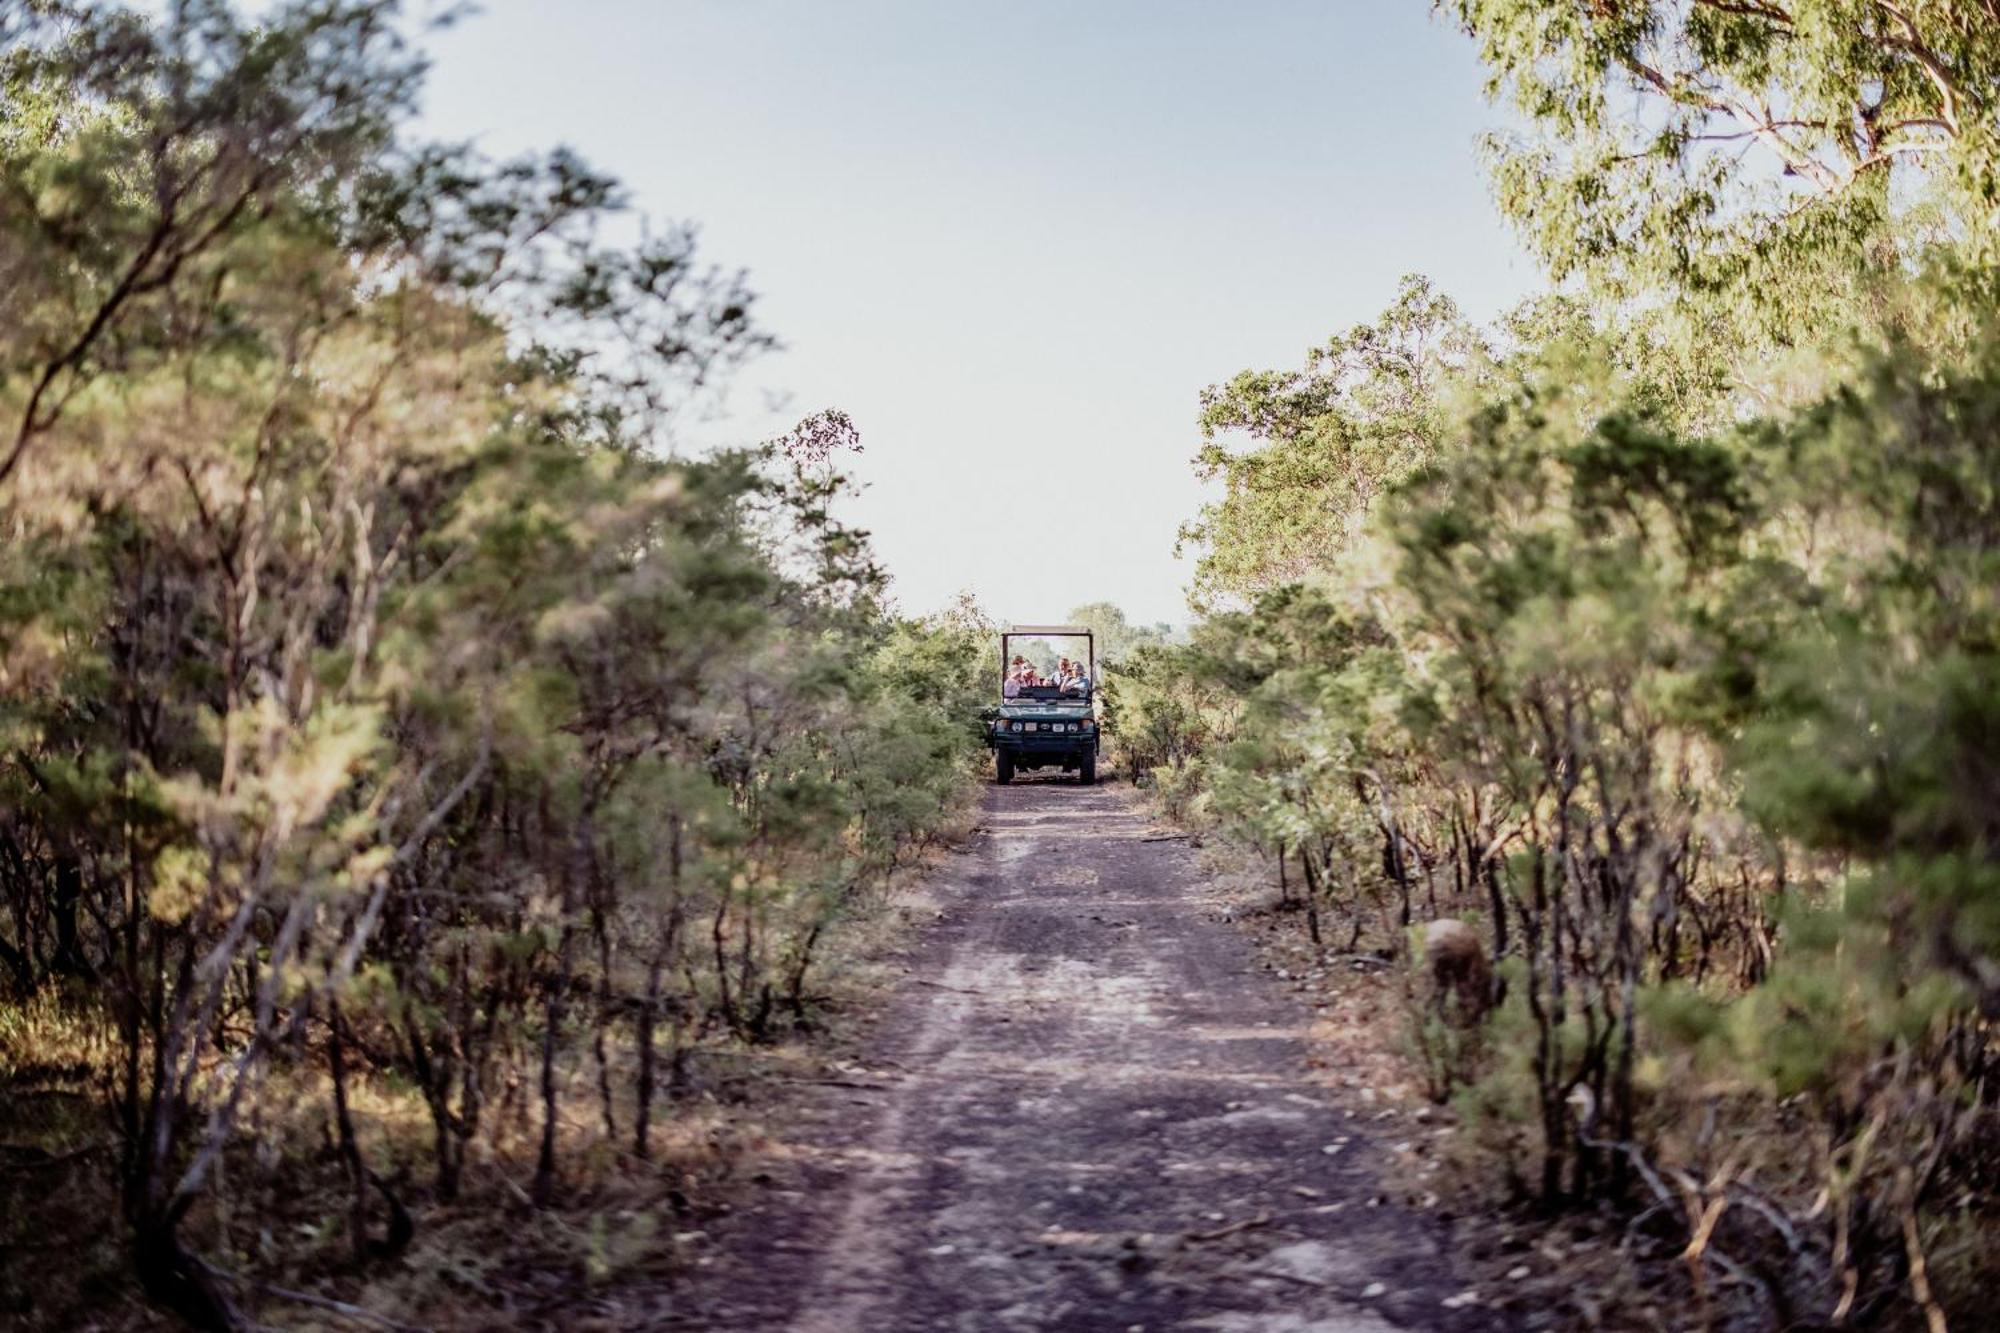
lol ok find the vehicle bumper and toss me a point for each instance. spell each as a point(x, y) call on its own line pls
point(1037, 745)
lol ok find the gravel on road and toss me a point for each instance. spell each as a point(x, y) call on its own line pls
point(1085, 1108)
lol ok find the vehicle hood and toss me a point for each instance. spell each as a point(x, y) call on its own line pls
point(1067, 710)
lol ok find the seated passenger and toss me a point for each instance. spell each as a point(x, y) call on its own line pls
point(1077, 682)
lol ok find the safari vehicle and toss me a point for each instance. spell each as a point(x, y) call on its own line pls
point(1042, 726)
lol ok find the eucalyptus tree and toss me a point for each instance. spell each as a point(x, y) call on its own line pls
point(1773, 162)
point(1323, 442)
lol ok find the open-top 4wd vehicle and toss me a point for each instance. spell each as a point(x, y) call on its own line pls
point(1045, 725)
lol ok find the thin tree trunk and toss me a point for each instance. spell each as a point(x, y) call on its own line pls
point(545, 1162)
point(350, 1150)
point(655, 972)
point(1496, 903)
point(642, 1115)
point(601, 1055)
point(719, 939)
point(1312, 896)
point(177, 1280)
point(796, 985)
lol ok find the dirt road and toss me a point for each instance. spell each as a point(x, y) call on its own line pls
point(1088, 1109)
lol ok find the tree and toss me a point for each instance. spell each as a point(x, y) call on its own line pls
point(1115, 636)
point(1325, 440)
point(1655, 641)
point(244, 117)
point(380, 707)
point(1773, 160)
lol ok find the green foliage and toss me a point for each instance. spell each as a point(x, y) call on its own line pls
point(1117, 637)
point(1773, 162)
point(1705, 720)
point(1655, 629)
point(368, 682)
point(1364, 411)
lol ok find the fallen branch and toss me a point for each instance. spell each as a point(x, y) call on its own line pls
point(1757, 1202)
point(340, 1308)
point(1920, 1285)
point(841, 1083)
point(29, 1157)
point(1247, 1224)
point(1700, 1249)
point(326, 1303)
point(1357, 959)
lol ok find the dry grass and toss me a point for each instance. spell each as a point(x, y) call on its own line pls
point(605, 1255)
point(1578, 1270)
point(1603, 1266)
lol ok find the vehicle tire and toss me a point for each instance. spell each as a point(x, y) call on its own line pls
point(1003, 767)
point(1086, 772)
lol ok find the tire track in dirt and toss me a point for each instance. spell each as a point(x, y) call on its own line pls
point(1097, 1115)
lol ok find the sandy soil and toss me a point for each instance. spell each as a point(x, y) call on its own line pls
point(1087, 1108)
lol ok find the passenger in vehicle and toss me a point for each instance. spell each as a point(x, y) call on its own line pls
point(1077, 682)
point(1010, 688)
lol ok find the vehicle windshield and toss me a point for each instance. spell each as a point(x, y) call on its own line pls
point(1046, 665)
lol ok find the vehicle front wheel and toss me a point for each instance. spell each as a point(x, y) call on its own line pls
point(1086, 772)
point(1003, 767)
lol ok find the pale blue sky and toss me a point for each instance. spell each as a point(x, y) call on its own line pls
point(1015, 240)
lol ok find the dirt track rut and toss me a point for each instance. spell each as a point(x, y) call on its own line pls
point(1088, 1109)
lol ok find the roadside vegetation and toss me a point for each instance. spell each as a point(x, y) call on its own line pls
point(411, 771)
point(1651, 631)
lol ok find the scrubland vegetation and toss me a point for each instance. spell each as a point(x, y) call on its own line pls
point(1653, 629)
point(418, 780)
point(408, 766)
